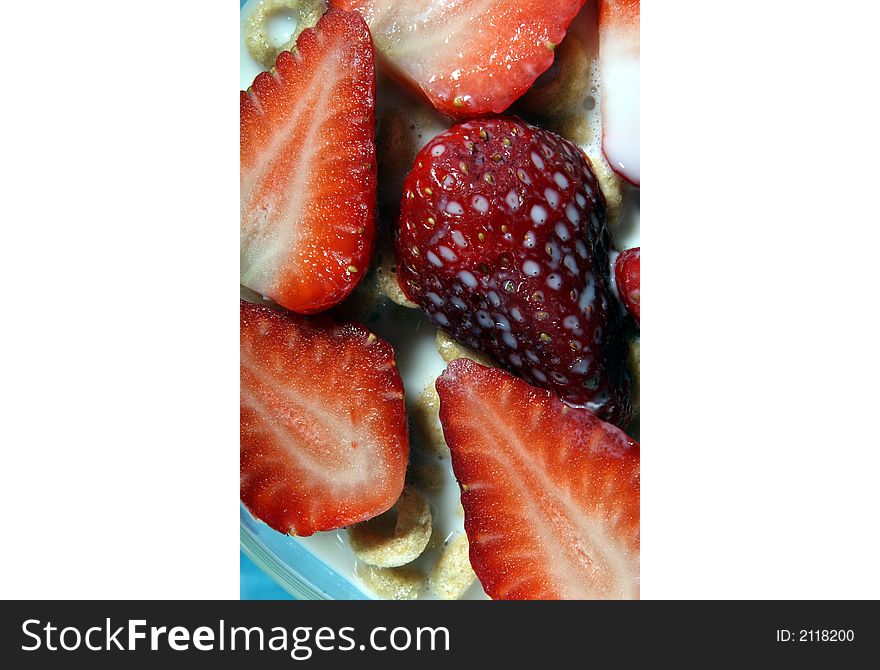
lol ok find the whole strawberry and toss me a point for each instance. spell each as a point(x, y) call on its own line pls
point(502, 241)
point(627, 271)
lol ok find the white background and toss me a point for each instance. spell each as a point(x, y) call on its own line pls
point(760, 472)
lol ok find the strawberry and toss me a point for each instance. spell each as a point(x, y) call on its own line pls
point(550, 493)
point(308, 168)
point(619, 59)
point(466, 58)
point(323, 422)
point(502, 241)
point(626, 273)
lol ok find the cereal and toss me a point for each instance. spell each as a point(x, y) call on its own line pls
point(396, 537)
point(396, 148)
point(403, 126)
point(610, 183)
point(562, 87)
point(394, 152)
point(377, 288)
point(365, 302)
point(259, 46)
point(452, 575)
point(385, 264)
point(438, 539)
point(426, 432)
point(392, 583)
point(427, 476)
point(450, 350)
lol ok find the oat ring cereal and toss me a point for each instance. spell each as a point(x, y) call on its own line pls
point(256, 39)
point(398, 536)
point(393, 583)
point(452, 575)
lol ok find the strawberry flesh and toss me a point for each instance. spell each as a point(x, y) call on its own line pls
point(323, 422)
point(466, 58)
point(550, 493)
point(308, 168)
point(502, 241)
point(627, 274)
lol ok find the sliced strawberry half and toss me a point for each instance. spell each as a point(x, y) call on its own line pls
point(323, 422)
point(308, 168)
point(550, 492)
point(467, 58)
point(627, 273)
point(619, 72)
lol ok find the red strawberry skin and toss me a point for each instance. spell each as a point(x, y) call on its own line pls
point(467, 58)
point(308, 168)
point(323, 422)
point(502, 241)
point(550, 492)
point(627, 273)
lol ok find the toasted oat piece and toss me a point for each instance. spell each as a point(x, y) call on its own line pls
point(437, 541)
point(450, 349)
point(395, 150)
point(563, 88)
point(427, 476)
point(377, 288)
point(402, 129)
point(452, 575)
point(610, 183)
point(459, 510)
point(392, 583)
point(365, 302)
point(385, 264)
point(394, 538)
point(426, 433)
point(257, 41)
point(404, 124)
